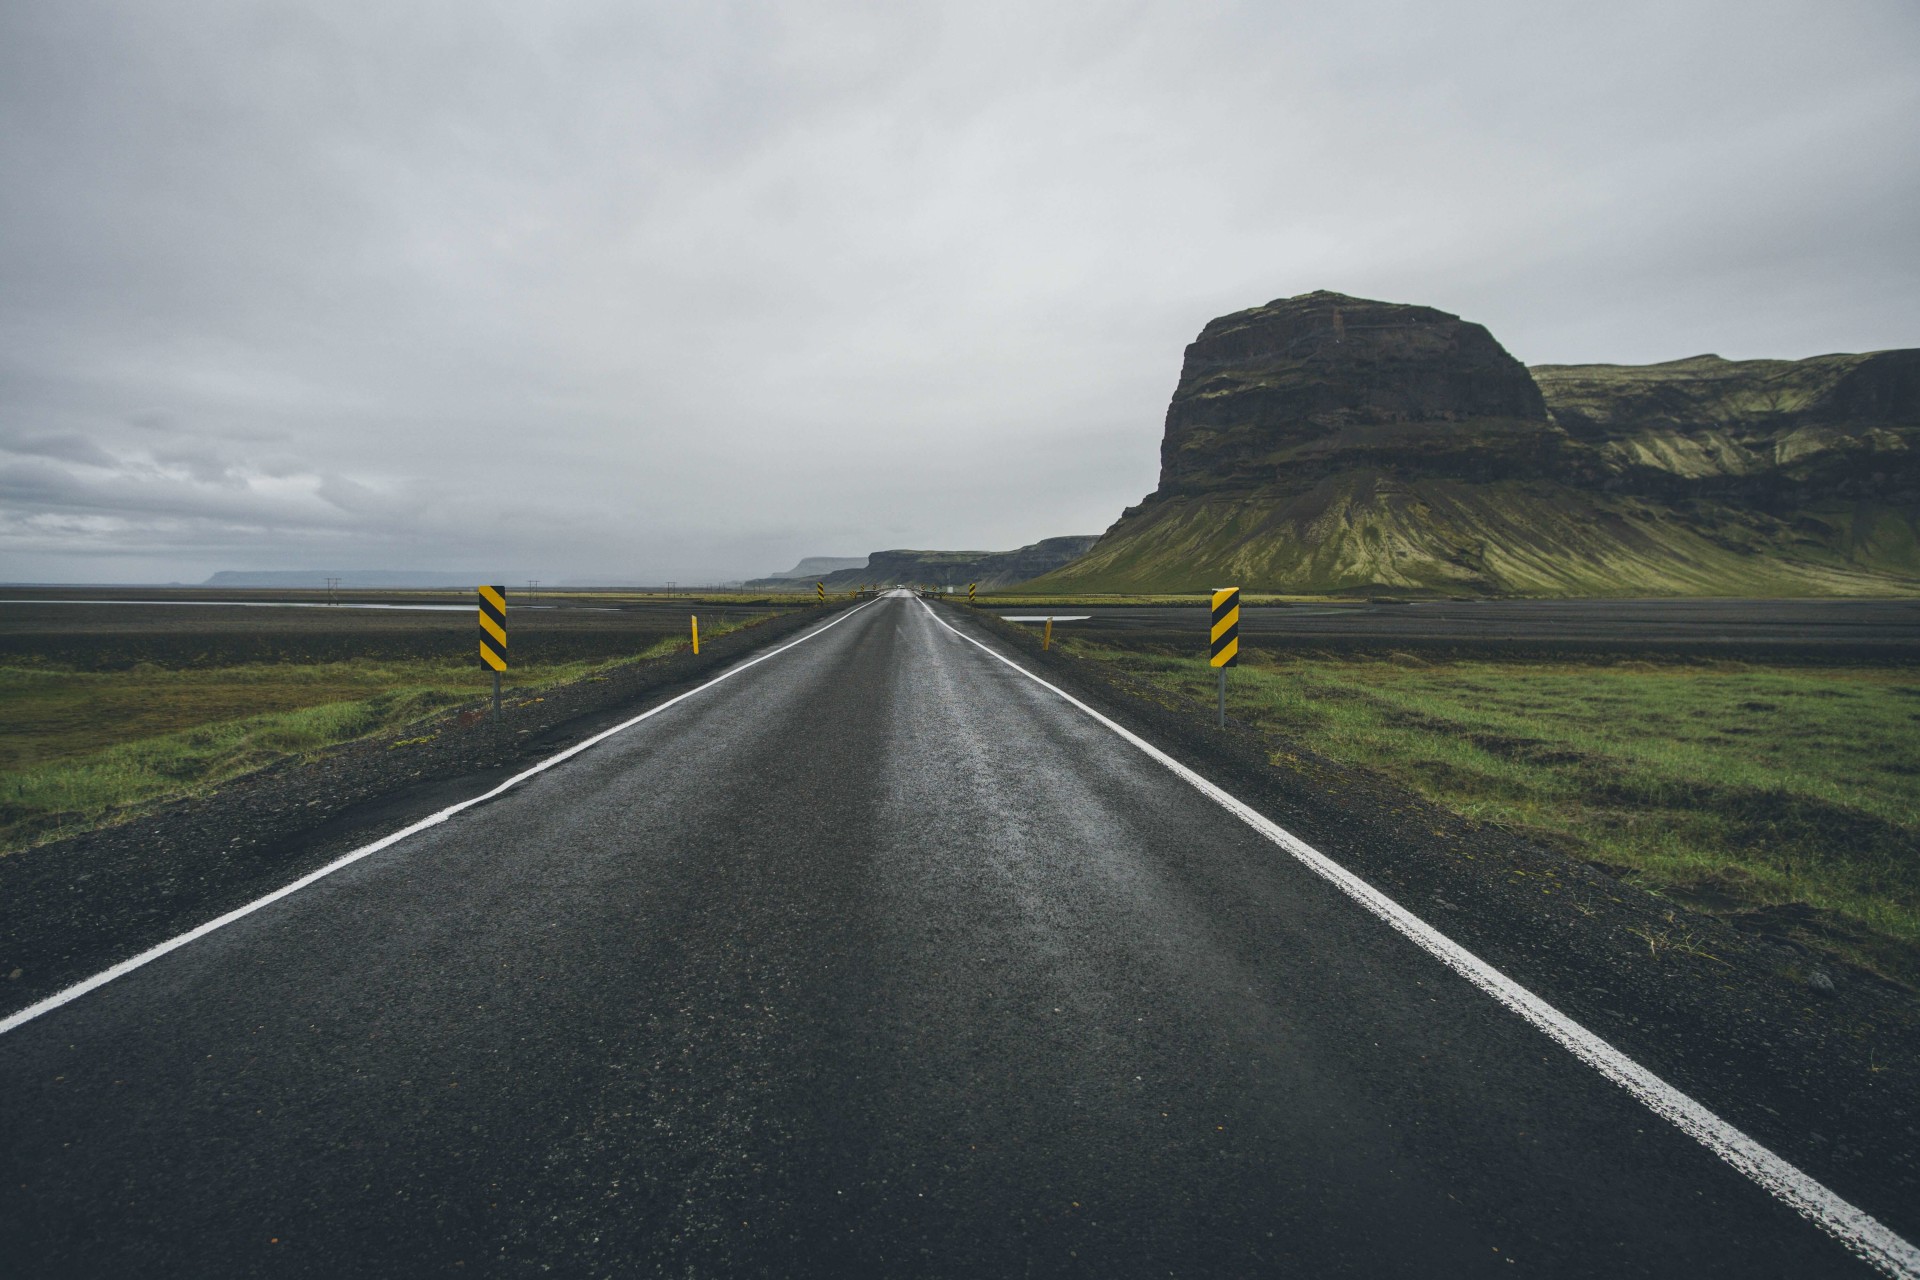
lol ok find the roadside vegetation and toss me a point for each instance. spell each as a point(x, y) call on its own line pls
point(84, 747)
point(1788, 796)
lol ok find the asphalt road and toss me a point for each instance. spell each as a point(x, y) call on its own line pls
point(877, 958)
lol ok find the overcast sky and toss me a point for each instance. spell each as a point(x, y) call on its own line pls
point(689, 291)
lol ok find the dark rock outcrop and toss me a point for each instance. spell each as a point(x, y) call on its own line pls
point(1289, 392)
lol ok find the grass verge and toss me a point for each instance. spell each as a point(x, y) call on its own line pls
point(84, 748)
point(1786, 797)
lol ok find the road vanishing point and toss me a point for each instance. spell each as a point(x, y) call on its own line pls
point(878, 955)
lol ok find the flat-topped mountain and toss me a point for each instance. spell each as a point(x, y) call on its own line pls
point(812, 567)
point(1306, 385)
point(992, 570)
point(1328, 443)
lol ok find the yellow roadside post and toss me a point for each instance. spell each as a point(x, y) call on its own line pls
point(1226, 638)
point(970, 595)
point(493, 636)
point(820, 589)
point(696, 633)
point(1046, 637)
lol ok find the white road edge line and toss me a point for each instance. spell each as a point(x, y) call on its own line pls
point(1860, 1232)
point(101, 979)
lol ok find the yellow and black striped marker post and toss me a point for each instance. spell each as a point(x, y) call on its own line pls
point(970, 596)
point(493, 636)
point(820, 589)
point(1226, 639)
point(696, 633)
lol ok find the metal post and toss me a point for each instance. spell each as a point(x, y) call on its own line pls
point(1223, 697)
point(496, 697)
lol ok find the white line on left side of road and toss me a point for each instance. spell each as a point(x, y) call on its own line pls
point(1858, 1231)
point(120, 970)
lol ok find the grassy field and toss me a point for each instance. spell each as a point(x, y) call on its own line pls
point(86, 744)
point(1788, 792)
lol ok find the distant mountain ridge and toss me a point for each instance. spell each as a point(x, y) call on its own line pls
point(815, 566)
point(992, 570)
point(1328, 443)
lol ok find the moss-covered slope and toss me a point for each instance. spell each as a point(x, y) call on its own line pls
point(1449, 536)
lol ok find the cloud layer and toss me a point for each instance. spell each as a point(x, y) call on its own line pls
point(673, 291)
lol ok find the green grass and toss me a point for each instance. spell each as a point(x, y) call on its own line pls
point(1793, 792)
point(84, 748)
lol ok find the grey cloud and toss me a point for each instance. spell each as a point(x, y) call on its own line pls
point(202, 463)
point(691, 291)
point(352, 497)
point(66, 447)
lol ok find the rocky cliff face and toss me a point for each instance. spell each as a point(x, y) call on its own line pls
point(1327, 443)
point(1770, 433)
point(1288, 393)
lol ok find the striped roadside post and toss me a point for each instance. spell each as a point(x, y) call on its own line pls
point(1226, 639)
point(493, 636)
point(970, 595)
point(820, 589)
